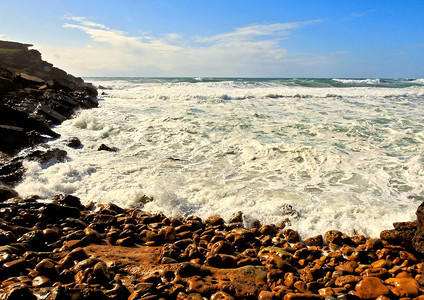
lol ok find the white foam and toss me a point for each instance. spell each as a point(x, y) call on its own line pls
point(346, 162)
point(358, 81)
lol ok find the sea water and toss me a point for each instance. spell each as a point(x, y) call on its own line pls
point(344, 154)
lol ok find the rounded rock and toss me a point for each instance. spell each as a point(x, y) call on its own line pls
point(371, 287)
point(409, 285)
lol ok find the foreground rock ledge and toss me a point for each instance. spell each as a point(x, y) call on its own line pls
point(64, 250)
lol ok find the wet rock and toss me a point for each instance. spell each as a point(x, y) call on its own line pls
point(35, 239)
point(6, 237)
point(48, 155)
point(72, 244)
point(7, 193)
point(236, 218)
point(168, 234)
point(69, 200)
point(18, 291)
point(15, 266)
point(214, 221)
point(299, 296)
point(371, 287)
point(92, 234)
point(337, 237)
point(418, 239)
point(266, 295)
point(84, 264)
point(268, 230)
point(47, 267)
point(348, 267)
point(314, 241)
point(375, 272)
point(101, 273)
point(125, 242)
point(407, 287)
point(402, 235)
point(221, 296)
point(51, 235)
point(103, 147)
point(73, 142)
point(291, 236)
point(11, 172)
point(347, 279)
point(382, 263)
point(56, 212)
point(78, 254)
point(41, 281)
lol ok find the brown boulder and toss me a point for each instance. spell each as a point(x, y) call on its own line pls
point(418, 239)
point(408, 286)
point(371, 287)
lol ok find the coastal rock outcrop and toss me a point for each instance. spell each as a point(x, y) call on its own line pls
point(34, 96)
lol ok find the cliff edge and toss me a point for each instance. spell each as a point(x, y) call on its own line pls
point(34, 96)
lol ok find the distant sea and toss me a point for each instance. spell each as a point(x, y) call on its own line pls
point(345, 154)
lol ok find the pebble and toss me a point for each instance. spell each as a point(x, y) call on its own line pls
point(194, 259)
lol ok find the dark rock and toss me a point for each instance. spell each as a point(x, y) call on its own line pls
point(47, 267)
point(69, 200)
point(214, 221)
point(402, 235)
point(125, 242)
point(11, 172)
point(18, 291)
point(236, 218)
point(103, 147)
point(78, 254)
point(7, 193)
point(35, 239)
point(34, 96)
point(92, 234)
point(73, 142)
point(41, 281)
point(84, 264)
point(6, 237)
point(45, 156)
point(418, 239)
point(56, 212)
point(314, 241)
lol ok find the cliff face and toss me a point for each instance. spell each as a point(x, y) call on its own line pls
point(21, 61)
point(34, 96)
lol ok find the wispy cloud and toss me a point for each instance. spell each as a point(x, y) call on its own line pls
point(362, 14)
point(245, 51)
point(84, 21)
point(248, 33)
point(2, 36)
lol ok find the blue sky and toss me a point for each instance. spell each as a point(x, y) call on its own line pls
point(223, 38)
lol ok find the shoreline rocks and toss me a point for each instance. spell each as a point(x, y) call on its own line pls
point(64, 250)
point(34, 96)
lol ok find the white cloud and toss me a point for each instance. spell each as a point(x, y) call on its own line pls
point(246, 51)
point(362, 14)
point(250, 32)
point(85, 22)
point(2, 37)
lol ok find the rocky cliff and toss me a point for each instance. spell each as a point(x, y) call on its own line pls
point(34, 96)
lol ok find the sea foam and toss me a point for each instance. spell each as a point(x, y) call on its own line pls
point(346, 158)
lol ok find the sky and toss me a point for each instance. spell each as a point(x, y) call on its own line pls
point(223, 38)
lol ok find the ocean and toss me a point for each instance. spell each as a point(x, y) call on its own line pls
point(345, 154)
